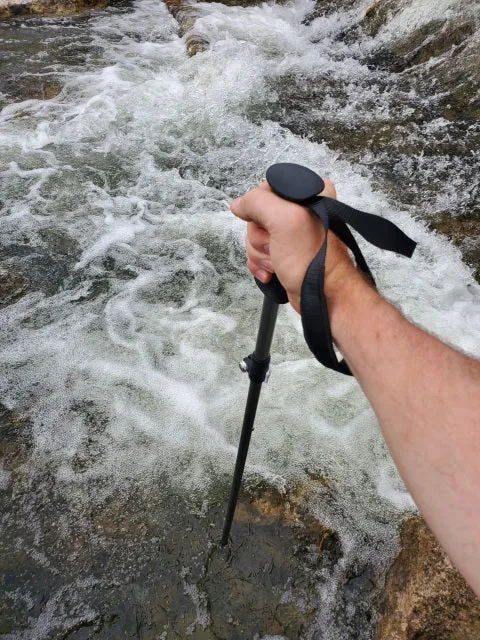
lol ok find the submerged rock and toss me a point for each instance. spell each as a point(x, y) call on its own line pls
point(47, 264)
point(185, 14)
point(13, 285)
point(15, 438)
point(267, 506)
point(425, 596)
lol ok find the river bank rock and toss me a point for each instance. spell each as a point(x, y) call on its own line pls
point(27, 8)
point(443, 41)
point(427, 131)
point(440, 60)
point(425, 596)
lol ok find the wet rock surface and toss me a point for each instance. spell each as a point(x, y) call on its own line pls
point(185, 14)
point(84, 558)
point(464, 232)
point(40, 42)
point(37, 77)
point(26, 8)
point(13, 285)
point(15, 438)
point(145, 563)
point(37, 267)
point(425, 596)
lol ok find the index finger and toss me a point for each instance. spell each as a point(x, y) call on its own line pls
point(262, 206)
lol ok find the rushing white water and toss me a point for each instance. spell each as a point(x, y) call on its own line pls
point(137, 160)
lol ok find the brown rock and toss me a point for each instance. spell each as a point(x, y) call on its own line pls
point(237, 3)
point(18, 88)
point(378, 14)
point(269, 507)
point(195, 44)
point(26, 8)
point(46, 91)
point(13, 285)
point(275, 541)
point(185, 15)
point(15, 438)
point(372, 8)
point(425, 598)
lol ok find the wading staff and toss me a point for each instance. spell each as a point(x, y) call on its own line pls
point(298, 184)
point(257, 365)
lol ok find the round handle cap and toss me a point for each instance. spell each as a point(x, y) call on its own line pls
point(294, 182)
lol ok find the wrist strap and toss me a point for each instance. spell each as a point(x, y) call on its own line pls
point(296, 183)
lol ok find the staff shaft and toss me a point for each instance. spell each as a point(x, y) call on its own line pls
point(260, 357)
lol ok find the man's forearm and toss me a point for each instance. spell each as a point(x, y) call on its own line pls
point(426, 397)
point(425, 394)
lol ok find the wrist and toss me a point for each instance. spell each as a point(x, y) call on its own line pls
point(346, 299)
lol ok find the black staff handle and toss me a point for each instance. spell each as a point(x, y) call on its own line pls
point(301, 185)
point(273, 290)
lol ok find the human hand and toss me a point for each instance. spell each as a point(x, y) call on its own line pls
point(284, 237)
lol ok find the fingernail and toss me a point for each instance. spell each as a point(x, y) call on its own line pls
point(261, 275)
point(266, 248)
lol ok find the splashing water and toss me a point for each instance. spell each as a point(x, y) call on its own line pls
point(115, 204)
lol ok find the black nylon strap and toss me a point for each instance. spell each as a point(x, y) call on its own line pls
point(335, 216)
point(313, 306)
point(378, 231)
